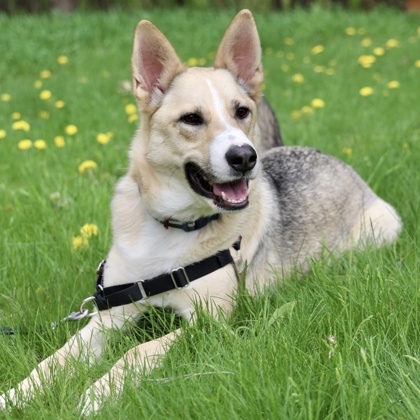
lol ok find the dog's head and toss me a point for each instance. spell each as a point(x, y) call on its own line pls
point(196, 150)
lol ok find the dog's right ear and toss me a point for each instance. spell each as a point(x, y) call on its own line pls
point(154, 64)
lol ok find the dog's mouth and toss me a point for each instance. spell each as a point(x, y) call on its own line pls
point(228, 196)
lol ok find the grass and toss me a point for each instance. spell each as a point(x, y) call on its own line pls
point(343, 342)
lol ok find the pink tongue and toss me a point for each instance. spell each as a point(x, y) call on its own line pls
point(234, 191)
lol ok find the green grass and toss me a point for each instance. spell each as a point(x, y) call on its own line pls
point(272, 359)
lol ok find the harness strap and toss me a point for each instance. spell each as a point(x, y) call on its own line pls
point(189, 226)
point(108, 297)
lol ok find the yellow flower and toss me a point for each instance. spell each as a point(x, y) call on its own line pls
point(44, 115)
point(317, 49)
point(104, 138)
point(317, 103)
point(392, 43)
point(350, 31)
point(62, 59)
point(40, 144)
point(192, 62)
point(378, 51)
point(366, 42)
point(417, 63)
point(329, 72)
point(87, 164)
point(366, 91)
point(202, 61)
point(60, 104)
point(366, 61)
point(298, 78)
point(347, 151)
point(130, 109)
point(21, 125)
point(289, 41)
point(88, 230)
point(79, 242)
point(59, 141)
point(132, 118)
point(3, 134)
point(285, 68)
point(319, 69)
point(37, 84)
point(45, 74)
point(393, 84)
point(25, 144)
point(71, 130)
point(296, 114)
point(45, 94)
point(307, 110)
point(16, 115)
point(5, 97)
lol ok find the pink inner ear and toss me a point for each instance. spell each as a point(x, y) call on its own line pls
point(150, 67)
point(245, 54)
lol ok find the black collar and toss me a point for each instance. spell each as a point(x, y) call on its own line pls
point(108, 297)
point(189, 226)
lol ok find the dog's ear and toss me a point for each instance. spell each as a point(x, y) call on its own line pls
point(154, 63)
point(240, 53)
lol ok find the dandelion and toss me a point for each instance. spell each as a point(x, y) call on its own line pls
point(132, 118)
point(70, 130)
point(317, 103)
point(16, 116)
point(104, 138)
point(319, 69)
point(44, 115)
point(285, 68)
point(378, 51)
point(329, 72)
point(366, 42)
point(317, 49)
point(348, 151)
point(366, 61)
point(366, 91)
point(130, 109)
point(289, 41)
point(417, 63)
point(192, 62)
point(45, 74)
point(62, 59)
point(45, 94)
point(392, 43)
point(25, 144)
point(79, 242)
point(59, 141)
point(5, 97)
point(298, 78)
point(40, 144)
point(350, 31)
point(60, 104)
point(307, 110)
point(38, 84)
point(393, 84)
point(88, 230)
point(86, 165)
point(3, 134)
point(21, 125)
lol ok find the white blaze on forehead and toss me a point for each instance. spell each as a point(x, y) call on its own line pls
point(233, 135)
point(230, 136)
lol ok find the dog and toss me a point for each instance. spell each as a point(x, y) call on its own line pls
point(200, 202)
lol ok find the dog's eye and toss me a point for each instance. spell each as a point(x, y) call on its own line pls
point(192, 119)
point(242, 112)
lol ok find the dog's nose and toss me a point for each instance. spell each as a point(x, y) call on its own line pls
point(241, 158)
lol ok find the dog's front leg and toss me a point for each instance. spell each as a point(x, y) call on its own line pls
point(85, 346)
point(138, 361)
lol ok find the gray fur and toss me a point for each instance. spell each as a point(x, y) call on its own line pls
point(269, 126)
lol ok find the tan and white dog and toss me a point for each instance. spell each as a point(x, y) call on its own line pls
point(196, 183)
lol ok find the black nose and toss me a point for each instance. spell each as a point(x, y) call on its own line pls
point(241, 158)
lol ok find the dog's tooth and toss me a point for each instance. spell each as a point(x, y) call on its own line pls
point(224, 198)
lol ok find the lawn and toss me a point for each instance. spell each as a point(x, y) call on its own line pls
point(341, 342)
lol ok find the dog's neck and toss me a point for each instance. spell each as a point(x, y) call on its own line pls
point(189, 226)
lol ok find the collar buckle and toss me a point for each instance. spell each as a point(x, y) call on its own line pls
point(179, 278)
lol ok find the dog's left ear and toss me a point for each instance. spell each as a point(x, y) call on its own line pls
point(240, 53)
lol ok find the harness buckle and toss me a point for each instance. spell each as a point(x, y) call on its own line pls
point(179, 278)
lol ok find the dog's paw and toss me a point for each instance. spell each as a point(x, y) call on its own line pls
point(95, 396)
